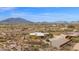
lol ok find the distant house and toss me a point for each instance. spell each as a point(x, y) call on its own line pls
point(54, 25)
point(58, 41)
point(38, 34)
point(76, 47)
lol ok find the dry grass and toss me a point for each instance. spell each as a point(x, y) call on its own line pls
point(16, 37)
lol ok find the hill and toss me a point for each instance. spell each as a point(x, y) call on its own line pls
point(15, 20)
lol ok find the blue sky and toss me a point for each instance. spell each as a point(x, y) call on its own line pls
point(40, 14)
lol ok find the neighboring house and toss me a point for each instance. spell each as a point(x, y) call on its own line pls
point(58, 41)
point(72, 33)
point(76, 47)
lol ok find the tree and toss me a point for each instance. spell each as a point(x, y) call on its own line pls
point(71, 26)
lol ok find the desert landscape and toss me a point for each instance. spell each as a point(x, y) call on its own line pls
point(39, 29)
point(38, 36)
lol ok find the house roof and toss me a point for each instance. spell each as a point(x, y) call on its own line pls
point(38, 33)
point(76, 46)
point(72, 33)
point(58, 41)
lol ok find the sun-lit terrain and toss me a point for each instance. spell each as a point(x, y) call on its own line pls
point(38, 37)
point(39, 29)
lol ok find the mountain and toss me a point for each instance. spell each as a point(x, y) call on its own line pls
point(24, 21)
point(15, 20)
point(56, 22)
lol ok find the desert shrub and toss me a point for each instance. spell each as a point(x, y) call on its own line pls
point(45, 45)
point(2, 40)
point(50, 35)
point(75, 39)
point(35, 48)
point(33, 37)
point(71, 26)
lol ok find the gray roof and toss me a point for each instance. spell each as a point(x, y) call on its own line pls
point(58, 41)
point(72, 33)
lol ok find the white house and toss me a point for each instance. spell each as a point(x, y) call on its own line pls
point(37, 34)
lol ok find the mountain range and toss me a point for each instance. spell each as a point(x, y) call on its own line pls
point(15, 20)
point(24, 21)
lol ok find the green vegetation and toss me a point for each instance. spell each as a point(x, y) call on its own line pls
point(75, 39)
